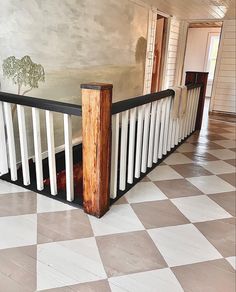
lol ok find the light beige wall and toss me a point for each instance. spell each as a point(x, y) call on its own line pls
point(224, 88)
point(76, 41)
point(196, 49)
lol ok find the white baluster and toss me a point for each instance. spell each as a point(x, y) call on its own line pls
point(196, 107)
point(187, 116)
point(145, 137)
point(171, 126)
point(157, 131)
point(123, 149)
point(3, 144)
point(51, 152)
point(10, 140)
point(37, 148)
point(23, 145)
point(163, 118)
point(132, 129)
point(151, 134)
point(69, 158)
point(177, 131)
point(167, 121)
point(191, 112)
point(139, 141)
point(114, 155)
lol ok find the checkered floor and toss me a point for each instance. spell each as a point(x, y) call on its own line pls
point(174, 231)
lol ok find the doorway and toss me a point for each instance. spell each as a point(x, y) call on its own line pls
point(161, 24)
point(201, 53)
point(201, 50)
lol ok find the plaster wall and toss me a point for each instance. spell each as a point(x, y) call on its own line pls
point(76, 41)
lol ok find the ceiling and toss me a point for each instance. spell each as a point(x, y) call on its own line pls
point(196, 9)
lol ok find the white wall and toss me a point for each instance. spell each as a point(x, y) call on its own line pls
point(196, 51)
point(172, 50)
point(224, 90)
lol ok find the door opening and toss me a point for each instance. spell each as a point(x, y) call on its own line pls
point(201, 52)
point(158, 53)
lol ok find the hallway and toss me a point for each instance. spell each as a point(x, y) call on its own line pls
point(174, 231)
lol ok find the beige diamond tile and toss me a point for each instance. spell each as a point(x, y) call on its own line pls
point(186, 147)
point(64, 225)
point(200, 156)
point(178, 188)
point(229, 177)
point(177, 158)
point(221, 234)
point(96, 286)
point(18, 269)
point(209, 276)
point(158, 214)
point(190, 170)
point(226, 200)
point(13, 204)
point(222, 154)
point(128, 253)
point(231, 162)
point(226, 143)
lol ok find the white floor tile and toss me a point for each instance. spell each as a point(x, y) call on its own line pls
point(200, 209)
point(218, 167)
point(183, 244)
point(162, 280)
point(68, 263)
point(45, 204)
point(120, 218)
point(6, 188)
point(144, 192)
point(164, 172)
point(226, 143)
point(211, 184)
point(177, 158)
point(18, 231)
point(232, 261)
point(222, 154)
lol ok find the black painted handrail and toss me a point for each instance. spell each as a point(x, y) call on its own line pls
point(40, 103)
point(127, 104)
point(76, 110)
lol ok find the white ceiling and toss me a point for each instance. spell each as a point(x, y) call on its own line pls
point(196, 9)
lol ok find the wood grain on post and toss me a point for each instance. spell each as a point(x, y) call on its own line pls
point(96, 128)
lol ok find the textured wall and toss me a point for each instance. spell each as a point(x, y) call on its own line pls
point(76, 41)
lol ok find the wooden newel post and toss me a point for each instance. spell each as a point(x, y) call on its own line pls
point(96, 128)
point(198, 77)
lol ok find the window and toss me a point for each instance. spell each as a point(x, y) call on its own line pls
point(212, 54)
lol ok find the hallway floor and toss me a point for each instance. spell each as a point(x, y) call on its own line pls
point(174, 231)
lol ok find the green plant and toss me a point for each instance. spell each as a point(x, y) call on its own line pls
point(23, 72)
